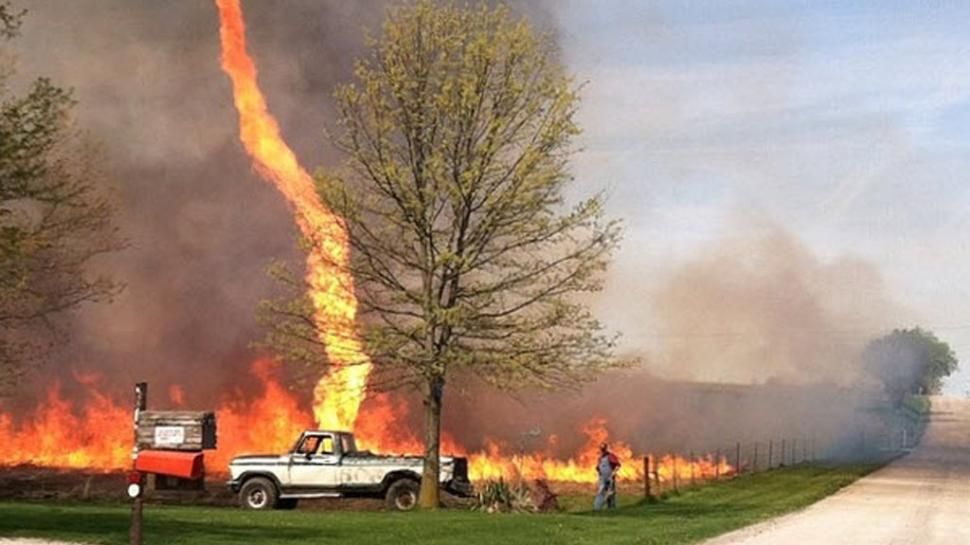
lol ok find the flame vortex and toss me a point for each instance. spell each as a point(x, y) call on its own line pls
point(338, 395)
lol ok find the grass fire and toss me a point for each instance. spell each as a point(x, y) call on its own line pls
point(94, 433)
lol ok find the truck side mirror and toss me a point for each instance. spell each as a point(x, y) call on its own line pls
point(308, 455)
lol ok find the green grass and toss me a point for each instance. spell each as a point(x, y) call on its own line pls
point(681, 518)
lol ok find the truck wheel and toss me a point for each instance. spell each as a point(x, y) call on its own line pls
point(402, 495)
point(258, 493)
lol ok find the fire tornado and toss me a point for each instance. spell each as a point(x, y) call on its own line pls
point(338, 395)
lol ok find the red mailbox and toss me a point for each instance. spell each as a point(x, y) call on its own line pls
point(185, 465)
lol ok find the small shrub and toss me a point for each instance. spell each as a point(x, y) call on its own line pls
point(502, 497)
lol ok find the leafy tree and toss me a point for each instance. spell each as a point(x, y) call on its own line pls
point(465, 255)
point(910, 361)
point(53, 219)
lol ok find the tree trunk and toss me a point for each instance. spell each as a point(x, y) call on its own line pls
point(429, 497)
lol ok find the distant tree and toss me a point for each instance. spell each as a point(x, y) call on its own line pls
point(910, 361)
point(53, 217)
point(465, 255)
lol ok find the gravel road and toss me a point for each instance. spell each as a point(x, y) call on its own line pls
point(922, 499)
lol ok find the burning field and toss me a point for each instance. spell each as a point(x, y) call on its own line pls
point(95, 434)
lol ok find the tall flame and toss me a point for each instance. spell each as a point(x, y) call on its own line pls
point(337, 397)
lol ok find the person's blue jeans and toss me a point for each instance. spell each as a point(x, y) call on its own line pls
point(605, 495)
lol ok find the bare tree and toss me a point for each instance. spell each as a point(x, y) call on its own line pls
point(54, 218)
point(465, 254)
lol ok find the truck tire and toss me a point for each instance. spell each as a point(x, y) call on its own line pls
point(259, 493)
point(402, 495)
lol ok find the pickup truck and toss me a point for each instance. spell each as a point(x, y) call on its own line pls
point(327, 464)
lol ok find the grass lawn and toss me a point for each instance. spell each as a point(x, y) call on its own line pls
point(684, 518)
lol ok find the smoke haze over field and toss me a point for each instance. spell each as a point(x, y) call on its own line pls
point(756, 308)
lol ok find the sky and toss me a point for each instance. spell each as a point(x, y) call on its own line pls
point(840, 125)
point(845, 124)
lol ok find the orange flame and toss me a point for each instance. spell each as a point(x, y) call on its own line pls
point(338, 395)
point(97, 433)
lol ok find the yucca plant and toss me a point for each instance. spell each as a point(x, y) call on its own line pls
point(502, 497)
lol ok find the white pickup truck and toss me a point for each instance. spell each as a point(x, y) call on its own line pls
point(327, 464)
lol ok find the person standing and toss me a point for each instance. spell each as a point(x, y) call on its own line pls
point(607, 466)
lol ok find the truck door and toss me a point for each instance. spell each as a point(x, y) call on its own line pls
point(355, 475)
point(315, 462)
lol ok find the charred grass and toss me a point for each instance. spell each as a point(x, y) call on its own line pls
point(684, 517)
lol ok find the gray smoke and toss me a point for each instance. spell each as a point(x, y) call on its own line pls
point(762, 307)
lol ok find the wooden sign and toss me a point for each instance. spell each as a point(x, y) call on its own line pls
point(176, 430)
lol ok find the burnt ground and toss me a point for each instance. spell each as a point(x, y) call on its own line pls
point(35, 483)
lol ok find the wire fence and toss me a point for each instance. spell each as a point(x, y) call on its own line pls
point(677, 470)
point(674, 471)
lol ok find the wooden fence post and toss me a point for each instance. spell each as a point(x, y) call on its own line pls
point(737, 459)
point(717, 465)
point(676, 487)
point(646, 476)
point(693, 462)
point(771, 448)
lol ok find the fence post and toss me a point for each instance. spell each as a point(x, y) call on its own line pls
point(737, 458)
point(646, 476)
point(693, 462)
point(771, 448)
point(754, 463)
point(794, 450)
point(656, 476)
point(717, 465)
point(676, 487)
point(782, 463)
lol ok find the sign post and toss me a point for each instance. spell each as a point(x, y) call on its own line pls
point(136, 479)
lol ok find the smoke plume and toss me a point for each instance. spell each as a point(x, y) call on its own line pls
point(762, 307)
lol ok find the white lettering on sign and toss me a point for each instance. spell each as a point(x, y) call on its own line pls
point(169, 435)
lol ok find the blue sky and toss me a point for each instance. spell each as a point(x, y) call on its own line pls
point(844, 124)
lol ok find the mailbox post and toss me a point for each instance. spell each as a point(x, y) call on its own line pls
point(136, 479)
point(168, 445)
